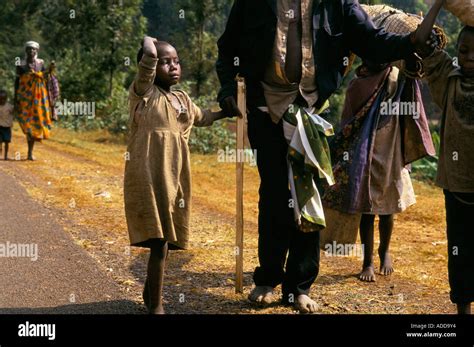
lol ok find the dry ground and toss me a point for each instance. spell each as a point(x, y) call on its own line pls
point(79, 176)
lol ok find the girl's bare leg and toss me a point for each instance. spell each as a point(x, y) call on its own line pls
point(385, 229)
point(153, 291)
point(367, 240)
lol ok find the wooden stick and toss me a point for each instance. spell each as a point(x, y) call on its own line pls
point(239, 237)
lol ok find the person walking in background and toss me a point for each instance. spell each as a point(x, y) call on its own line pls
point(32, 102)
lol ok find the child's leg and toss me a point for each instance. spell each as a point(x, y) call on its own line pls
point(459, 211)
point(385, 230)
point(153, 291)
point(367, 240)
point(464, 308)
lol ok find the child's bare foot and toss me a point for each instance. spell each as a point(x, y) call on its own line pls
point(305, 304)
point(386, 266)
point(262, 295)
point(367, 274)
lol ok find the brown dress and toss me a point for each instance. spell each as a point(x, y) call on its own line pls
point(157, 182)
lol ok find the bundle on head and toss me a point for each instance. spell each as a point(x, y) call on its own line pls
point(399, 22)
point(463, 9)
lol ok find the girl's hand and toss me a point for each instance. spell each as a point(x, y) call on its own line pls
point(149, 46)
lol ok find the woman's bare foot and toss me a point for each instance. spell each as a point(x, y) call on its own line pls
point(262, 295)
point(386, 266)
point(304, 304)
point(367, 274)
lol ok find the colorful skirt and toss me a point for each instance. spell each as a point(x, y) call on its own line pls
point(34, 112)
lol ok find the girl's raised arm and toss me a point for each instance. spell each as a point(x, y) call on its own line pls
point(146, 67)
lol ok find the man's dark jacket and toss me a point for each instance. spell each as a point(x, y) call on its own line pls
point(339, 26)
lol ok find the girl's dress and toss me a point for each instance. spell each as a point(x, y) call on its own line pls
point(157, 182)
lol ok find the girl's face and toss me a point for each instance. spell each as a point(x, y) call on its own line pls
point(466, 54)
point(168, 70)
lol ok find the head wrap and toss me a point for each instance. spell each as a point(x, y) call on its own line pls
point(32, 44)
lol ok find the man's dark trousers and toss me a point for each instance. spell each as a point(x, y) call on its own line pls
point(278, 233)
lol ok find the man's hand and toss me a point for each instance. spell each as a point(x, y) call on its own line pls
point(149, 47)
point(229, 107)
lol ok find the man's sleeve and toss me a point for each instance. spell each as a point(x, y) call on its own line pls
point(438, 68)
point(228, 52)
point(372, 43)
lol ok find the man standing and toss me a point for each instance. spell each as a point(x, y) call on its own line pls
point(291, 52)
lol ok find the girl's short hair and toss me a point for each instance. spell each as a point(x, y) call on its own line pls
point(466, 29)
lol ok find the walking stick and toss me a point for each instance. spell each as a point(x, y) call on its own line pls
point(239, 237)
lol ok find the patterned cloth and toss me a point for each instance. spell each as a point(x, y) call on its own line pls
point(309, 160)
point(34, 112)
point(366, 176)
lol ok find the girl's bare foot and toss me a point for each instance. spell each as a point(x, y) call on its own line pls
point(386, 266)
point(367, 274)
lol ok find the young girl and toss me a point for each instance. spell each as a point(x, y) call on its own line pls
point(451, 83)
point(157, 183)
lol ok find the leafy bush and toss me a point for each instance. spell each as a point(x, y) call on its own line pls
point(114, 113)
point(211, 139)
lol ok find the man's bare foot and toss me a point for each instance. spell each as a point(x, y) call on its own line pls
point(386, 266)
point(262, 295)
point(367, 274)
point(304, 304)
